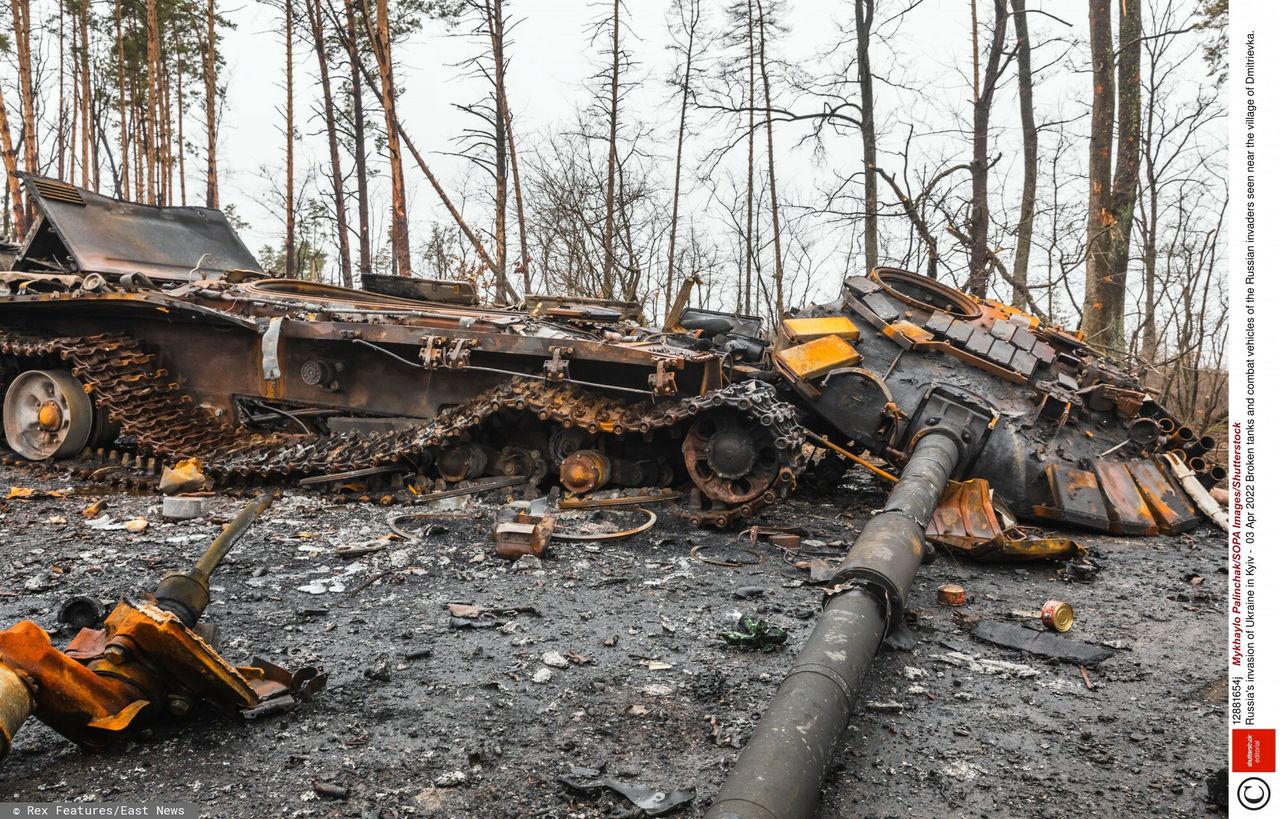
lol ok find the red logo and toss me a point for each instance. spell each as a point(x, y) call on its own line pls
point(1253, 750)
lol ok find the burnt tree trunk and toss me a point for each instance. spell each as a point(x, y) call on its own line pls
point(1030, 155)
point(980, 209)
point(399, 206)
point(357, 137)
point(611, 185)
point(316, 17)
point(864, 14)
point(1101, 218)
point(779, 297)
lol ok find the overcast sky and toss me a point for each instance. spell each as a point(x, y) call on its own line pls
point(551, 59)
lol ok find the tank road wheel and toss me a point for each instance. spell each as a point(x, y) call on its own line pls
point(729, 458)
point(47, 415)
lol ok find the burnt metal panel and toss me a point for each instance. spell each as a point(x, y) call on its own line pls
point(1076, 498)
point(1171, 508)
point(1130, 514)
point(94, 233)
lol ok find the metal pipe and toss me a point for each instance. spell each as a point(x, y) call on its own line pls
point(16, 704)
point(186, 594)
point(779, 773)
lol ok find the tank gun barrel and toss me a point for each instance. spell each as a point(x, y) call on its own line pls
point(779, 773)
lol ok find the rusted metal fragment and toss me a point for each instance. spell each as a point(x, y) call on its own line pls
point(1075, 498)
point(1042, 643)
point(1129, 512)
point(1169, 505)
point(95, 233)
point(520, 530)
point(969, 519)
point(802, 330)
point(816, 358)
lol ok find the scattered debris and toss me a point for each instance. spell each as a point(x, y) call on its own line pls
point(730, 555)
point(94, 509)
point(136, 526)
point(748, 592)
point(754, 634)
point(650, 801)
point(950, 594)
point(81, 612)
point(25, 493)
point(1057, 615)
point(184, 476)
point(330, 790)
point(603, 524)
point(523, 528)
point(554, 659)
point(184, 507)
point(885, 707)
point(1042, 643)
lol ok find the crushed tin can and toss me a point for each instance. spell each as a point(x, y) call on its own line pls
point(1057, 615)
point(950, 594)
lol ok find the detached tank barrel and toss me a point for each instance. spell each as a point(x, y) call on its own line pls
point(779, 773)
point(186, 594)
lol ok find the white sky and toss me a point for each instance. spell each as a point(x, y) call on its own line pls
point(551, 60)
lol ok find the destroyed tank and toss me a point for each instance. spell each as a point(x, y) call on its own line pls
point(1057, 431)
point(156, 328)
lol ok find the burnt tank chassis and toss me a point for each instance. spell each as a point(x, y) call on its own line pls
point(270, 379)
point(948, 388)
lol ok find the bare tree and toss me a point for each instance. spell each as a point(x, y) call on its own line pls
point(1030, 154)
point(980, 257)
point(690, 16)
point(316, 19)
point(1117, 114)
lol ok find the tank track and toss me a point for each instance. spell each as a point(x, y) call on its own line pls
point(126, 381)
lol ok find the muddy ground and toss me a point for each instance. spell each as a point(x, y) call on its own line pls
point(477, 725)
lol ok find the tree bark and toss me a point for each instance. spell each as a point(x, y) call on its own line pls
point(316, 18)
point(980, 210)
point(751, 155)
point(779, 296)
point(695, 12)
point(88, 171)
point(497, 44)
point(1030, 155)
point(211, 106)
point(1095, 320)
point(30, 138)
point(611, 184)
point(290, 215)
point(357, 131)
point(399, 209)
point(10, 156)
point(1127, 169)
point(122, 181)
point(864, 14)
point(153, 94)
point(525, 258)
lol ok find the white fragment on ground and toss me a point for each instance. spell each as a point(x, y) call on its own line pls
point(554, 659)
point(982, 665)
point(542, 675)
point(657, 690)
point(913, 673)
point(963, 770)
point(917, 690)
point(885, 706)
point(451, 780)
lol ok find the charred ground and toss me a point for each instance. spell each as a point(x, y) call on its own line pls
point(423, 718)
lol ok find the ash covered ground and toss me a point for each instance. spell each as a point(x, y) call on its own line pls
point(421, 718)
